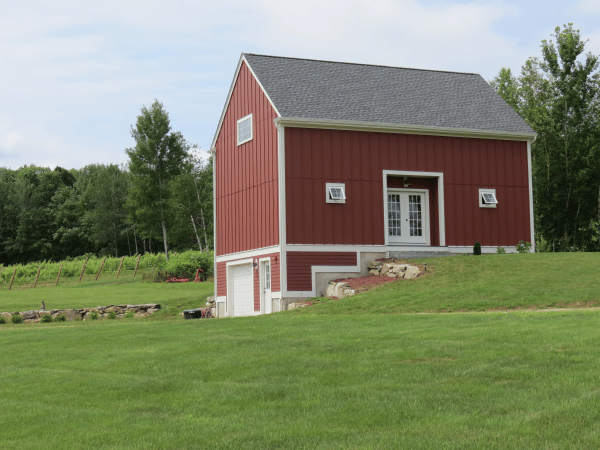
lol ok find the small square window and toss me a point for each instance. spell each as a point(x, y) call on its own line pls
point(335, 192)
point(244, 129)
point(487, 198)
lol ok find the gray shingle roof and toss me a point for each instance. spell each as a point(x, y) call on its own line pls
point(310, 89)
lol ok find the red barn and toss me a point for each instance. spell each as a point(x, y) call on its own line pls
point(321, 167)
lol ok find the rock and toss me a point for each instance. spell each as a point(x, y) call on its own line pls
point(374, 272)
point(373, 265)
point(385, 269)
point(7, 316)
point(72, 315)
point(140, 315)
point(336, 289)
point(151, 311)
point(411, 272)
point(28, 315)
point(296, 306)
point(392, 274)
point(348, 292)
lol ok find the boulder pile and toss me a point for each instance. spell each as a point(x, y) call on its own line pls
point(103, 312)
point(393, 270)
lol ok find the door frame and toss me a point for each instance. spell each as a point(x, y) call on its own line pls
point(425, 220)
point(440, 195)
point(265, 307)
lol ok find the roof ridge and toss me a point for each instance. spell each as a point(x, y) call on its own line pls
point(362, 64)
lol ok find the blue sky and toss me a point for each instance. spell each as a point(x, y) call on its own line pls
point(73, 75)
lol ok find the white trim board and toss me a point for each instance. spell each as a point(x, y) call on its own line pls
point(440, 195)
point(248, 253)
point(299, 122)
point(530, 177)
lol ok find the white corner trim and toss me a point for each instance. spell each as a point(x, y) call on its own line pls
point(299, 122)
point(440, 188)
point(230, 93)
point(214, 180)
point(248, 253)
point(530, 178)
point(282, 205)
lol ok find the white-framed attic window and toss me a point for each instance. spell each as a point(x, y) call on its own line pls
point(335, 192)
point(487, 198)
point(244, 129)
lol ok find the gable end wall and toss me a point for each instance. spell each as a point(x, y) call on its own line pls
point(246, 176)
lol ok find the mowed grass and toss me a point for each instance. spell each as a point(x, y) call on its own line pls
point(525, 380)
point(120, 291)
point(478, 283)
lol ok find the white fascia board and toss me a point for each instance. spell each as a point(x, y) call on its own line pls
point(248, 254)
point(334, 248)
point(299, 122)
point(282, 204)
point(235, 77)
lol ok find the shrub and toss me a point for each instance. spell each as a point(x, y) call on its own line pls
point(94, 315)
point(112, 315)
point(46, 318)
point(500, 250)
point(524, 247)
point(60, 318)
point(2, 320)
point(129, 315)
point(17, 318)
point(477, 248)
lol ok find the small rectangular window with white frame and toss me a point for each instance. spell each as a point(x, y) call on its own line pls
point(335, 192)
point(487, 198)
point(244, 129)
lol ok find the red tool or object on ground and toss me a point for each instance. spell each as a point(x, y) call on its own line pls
point(198, 279)
point(177, 280)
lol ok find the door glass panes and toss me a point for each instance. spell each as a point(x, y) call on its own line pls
point(267, 275)
point(394, 216)
point(415, 215)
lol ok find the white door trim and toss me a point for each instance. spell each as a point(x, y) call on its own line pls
point(440, 194)
point(265, 306)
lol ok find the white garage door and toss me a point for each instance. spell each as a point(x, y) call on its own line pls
point(243, 290)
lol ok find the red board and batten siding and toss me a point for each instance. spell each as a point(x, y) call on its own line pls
point(314, 157)
point(275, 278)
point(299, 274)
point(246, 175)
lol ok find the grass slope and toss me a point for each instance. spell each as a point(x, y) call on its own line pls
point(486, 282)
point(494, 381)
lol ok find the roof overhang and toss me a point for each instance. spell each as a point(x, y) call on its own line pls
point(298, 122)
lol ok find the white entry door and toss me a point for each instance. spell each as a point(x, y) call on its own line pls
point(266, 287)
point(243, 290)
point(407, 217)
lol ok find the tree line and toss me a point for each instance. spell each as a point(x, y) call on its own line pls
point(558, 95)
point(111, 210)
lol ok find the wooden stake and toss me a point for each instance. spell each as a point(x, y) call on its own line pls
point(136, 265)
point(58, 276)
point(12, 279)
point(83, 269)
point(119, 271)
point(37, 276)
point(101, 266)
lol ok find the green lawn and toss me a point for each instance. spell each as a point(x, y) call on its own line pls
point(477, 283)
point(490, 381)
point(107, 292)
point(352, 373)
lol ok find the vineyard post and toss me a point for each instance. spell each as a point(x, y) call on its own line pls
point(37, 276)
point(12, 279)
point(101, 266)
point(136, 265)
point(58, 276)
point(83, 269)
point(121, 264)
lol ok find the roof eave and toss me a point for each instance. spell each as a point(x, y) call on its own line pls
point(299, 122)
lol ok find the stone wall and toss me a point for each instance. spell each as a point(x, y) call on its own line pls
point(103, 312)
